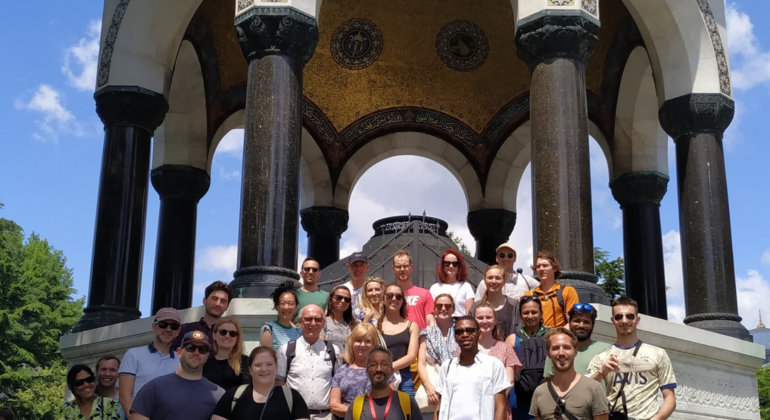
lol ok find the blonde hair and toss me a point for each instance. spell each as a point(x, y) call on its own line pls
point(234, 360)
point(485, 297)
point(364, 302)
point(361, 330)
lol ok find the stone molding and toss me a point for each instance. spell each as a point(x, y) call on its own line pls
point(716, 316)
point(491, 222)
point(108, 47)
point(264, 31)
point(696, 113)
point(180, 181)
point(725, 391)
point(131, 105)
point(260, 281)
point(716, 43)
point(554, 35)
point(324, 220)
point(639, 187)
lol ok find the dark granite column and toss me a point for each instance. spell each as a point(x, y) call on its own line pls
point(130, 115)
point(639, 195)
point(180, 188)
point(277, 42)
point(324, 227)
point(697, 122)
point(556, 48)
point(490, 228)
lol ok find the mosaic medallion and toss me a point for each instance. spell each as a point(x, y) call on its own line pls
point(591, 6)
point(356, 44)
point(462, 45)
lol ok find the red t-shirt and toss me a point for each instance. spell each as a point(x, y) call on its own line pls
point(419, 303)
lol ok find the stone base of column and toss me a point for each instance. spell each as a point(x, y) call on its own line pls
point(102, 315)
point(726, 324)
point(585, 285)
point(260, 281)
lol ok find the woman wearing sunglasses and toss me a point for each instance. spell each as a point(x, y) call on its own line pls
point(452, 273)
point(528, 341)
point(437, 344)
point(228, 366)
point(86, 405)
point(339, 318)
point(279, 332)
point(371, 302)
point(400, 335)
point(506, 308)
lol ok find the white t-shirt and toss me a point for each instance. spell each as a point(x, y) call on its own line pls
point(468, 392)
point(355, 297)
point(460, 292)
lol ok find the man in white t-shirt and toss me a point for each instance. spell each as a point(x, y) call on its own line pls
point(516, 285)
point(358, 265)
point(473, 384)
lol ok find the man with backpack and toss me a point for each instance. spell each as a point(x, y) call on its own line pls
point(383, 402)
point(307, 365)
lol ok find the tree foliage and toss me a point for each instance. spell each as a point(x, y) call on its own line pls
point(611, 274)
point(763, 384)
point(459, 242)
point(36, 308)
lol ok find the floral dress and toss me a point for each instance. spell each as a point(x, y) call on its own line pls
point(102, 409)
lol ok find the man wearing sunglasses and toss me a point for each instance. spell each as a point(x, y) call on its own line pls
point(184, 394)
point(310, 293)
point(358, 265)
point(582, 317)
point(473, 384)
point(142, 364)
point(568, 394)
point(645, 369)
point(516, 285)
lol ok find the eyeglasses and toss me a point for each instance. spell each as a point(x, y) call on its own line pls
point(461, 331)
point(311, 319)
point(451, 263)
point(163, 325)
point(384, 365)
point(340, 297)
point(191, 348)
point(619, 317)
point(583, 307)
point(223, 332)
point(397, 296)
point(310, 269)
point(503, 255)
point(401, 267)
point(446, 306)
point(80, 382)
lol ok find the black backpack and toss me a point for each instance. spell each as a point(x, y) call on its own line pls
point(532, 356)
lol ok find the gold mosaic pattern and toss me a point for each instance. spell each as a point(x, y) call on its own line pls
point(233, 69)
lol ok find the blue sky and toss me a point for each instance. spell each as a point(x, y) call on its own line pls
point(50, 158)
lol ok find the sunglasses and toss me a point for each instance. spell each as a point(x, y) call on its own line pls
point(583, 307)
point(80, 382)
point(528, 299)
point(401, 267)
point(619, 317)
point(446, 306)
point(223, 332)
point(503, 255)
point(163, 325)
point(451, 263)
point(461, 331)
point(191, 348)
point(341, 298)
point(311, 319)
point(310, 269)
point(397, 296)
point(560, 407)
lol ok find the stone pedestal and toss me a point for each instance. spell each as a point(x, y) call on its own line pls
point(180, 188)
point(556, 48)
point(490, 228)
point(639, 195)
point(130, 115)
point(277, 42)
point(324, 227)
point(697, 122)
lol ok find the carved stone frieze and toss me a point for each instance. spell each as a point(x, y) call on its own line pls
point(264, 31)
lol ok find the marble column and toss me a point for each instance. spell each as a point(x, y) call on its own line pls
point(277, 42)
point(130, 115)
point(180, 187)
point(697, 122)
point(639, 195)
point(324, 227)
point(556, 48)
point(490, 228)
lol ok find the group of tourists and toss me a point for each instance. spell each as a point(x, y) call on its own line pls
point(518, 347)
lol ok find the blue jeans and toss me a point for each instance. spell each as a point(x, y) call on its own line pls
point(407, 382)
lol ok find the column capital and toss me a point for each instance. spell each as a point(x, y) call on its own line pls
point(491, 222)
point(264, 31)
point(556, 35)
point(324, 220)
point(131, 105)
point(639, 187)
point(180, 181)
point(696, 113)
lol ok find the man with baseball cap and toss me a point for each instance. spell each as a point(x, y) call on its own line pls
point(184, 394)
point(515, 284)
point(358, 265)
point(142, 364)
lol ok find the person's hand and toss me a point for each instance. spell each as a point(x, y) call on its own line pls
point(432, 395)
point(611, 365)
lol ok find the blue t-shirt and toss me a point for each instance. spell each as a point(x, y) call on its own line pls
point(281, 335)
point(171, 397)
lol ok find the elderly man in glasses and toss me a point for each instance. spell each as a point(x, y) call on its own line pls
point(582, 317)
point(516, 285)
point(307, 365)
point(310, 292)
point(636, 370)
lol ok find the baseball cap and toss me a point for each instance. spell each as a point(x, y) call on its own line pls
point(356, 256)
point(196, 337)
point(168, 314)
point(505, 245)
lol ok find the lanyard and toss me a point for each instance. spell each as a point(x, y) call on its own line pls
point(262, 413)
point(387, 406)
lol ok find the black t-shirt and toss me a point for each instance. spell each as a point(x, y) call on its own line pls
point(220, 372)
point(395, 412)
point(247, 409)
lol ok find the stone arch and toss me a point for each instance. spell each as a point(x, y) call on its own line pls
point(233, 121)
point(684, 40)
point(181, 139)
point(640, 142)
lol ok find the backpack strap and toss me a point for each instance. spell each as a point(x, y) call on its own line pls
point(332, 355)
point(238, 393)
point(287, 395)
point(560, 300)
point(406, 404)
point(623, 385)
point(556, 399)
point(358, 406)
point(291, 352)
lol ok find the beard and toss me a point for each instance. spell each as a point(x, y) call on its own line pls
point(380, 384)
point(583, 335)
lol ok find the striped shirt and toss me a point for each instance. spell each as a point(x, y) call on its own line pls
point(281, 335)
point(146, 363)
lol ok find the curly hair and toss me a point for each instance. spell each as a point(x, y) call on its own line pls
point(288, 286)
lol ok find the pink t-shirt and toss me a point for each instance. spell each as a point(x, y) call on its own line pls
point(419, 303)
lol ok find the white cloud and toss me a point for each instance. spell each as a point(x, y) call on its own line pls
point(229, 174)
point(753, 292)
point(232, 143)
point(218, 258)
point(750, 64)
point(55, 117)
point(80, 59)
point(676, 313)
point(672, 261)
point(766, 257)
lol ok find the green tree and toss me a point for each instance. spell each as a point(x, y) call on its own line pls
point(763, 384)
point(459, 242)
point(36, 308)
point(611, 272)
